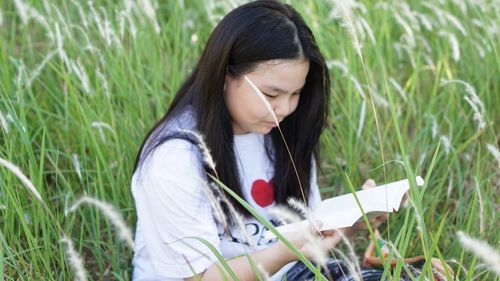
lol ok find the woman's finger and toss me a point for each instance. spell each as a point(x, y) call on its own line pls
point(368, 184)
point(331, 241)
point(404, 202)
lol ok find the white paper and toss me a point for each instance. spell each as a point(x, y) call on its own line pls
point(343, 211)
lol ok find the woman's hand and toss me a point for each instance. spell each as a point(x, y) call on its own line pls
point(375, 221)
point(313, 243)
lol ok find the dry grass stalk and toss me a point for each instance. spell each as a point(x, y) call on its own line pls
point(345, 15)
point(76, 165)
point(316, 246)
point(264, 100)
point(481, 206)
point(26, 182)
point(149, 10)
point(482, 250)
point(215, 199)
point(111, 213)
point(283, 214)
point(237, 218)
point(3, 123)
point(408, 30)
point(74, 259)
point(473, 100)
point(455, 48)
point(354, 259)
point(299, 206)
point(207, 156)
point(338, 64)
point(399, 89)
point(36, 71)
point(346, 260)
point(104, 83)
point(101, 126)
point(362, 118)
point(446, 144)
point(80, 72)
point(435, 127)
point(358, 87)
point(494, 151)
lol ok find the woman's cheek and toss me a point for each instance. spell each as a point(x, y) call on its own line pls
point(294, 104)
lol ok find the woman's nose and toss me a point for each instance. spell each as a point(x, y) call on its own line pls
point(282, 106)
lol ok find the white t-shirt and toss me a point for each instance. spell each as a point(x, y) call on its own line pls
point(174, 211)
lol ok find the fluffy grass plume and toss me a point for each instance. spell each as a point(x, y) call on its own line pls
point(111, 213)
point(74, 259)
point(207, 156)
point(215, 199)
point(482, 250)
point(494, 151)
point(3, 123)
point(472, 99)
point(283, 214)
point(26, 182)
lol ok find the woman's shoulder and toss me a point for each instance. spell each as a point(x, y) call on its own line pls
point(173, 157)
point(175, 149)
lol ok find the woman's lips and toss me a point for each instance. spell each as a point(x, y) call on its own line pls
point(271, 124)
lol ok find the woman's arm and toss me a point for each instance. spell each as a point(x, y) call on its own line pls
point(270, 259)
point(273, 258)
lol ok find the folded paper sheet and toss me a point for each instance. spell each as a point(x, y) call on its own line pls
point(343, 211)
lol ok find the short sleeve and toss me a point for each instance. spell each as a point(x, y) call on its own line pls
point(173, 209)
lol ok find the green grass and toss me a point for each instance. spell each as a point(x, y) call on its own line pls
point(132, 80)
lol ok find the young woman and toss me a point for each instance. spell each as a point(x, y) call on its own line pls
point(265, 44)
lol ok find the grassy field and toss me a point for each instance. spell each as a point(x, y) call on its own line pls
point(82, 82)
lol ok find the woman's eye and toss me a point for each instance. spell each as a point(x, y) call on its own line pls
point(269, 96)
point(296, 93)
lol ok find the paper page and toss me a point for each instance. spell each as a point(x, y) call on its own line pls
point(343, 211)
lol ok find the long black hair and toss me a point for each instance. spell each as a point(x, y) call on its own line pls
point(250, 34)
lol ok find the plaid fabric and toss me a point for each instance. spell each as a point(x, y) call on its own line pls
point(337, 270)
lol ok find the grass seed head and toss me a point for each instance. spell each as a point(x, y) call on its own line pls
point(111, 213)
point(76, 165)
point(494, 151)
point(283, 214)
point(299, 206)
point(482, 250)
point(74, 259)
point(26, 182)
point(205, 151)
point(3, 123)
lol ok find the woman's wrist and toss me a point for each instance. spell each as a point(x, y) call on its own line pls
point(284, 252)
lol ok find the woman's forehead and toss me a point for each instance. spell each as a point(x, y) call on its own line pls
point(286, 75)
point(270, 64)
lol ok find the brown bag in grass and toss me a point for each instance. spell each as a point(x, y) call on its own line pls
point(439, 268)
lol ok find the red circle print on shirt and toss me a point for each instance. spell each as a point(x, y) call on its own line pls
point(263, 192)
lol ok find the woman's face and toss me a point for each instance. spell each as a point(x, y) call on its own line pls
point(279, 80)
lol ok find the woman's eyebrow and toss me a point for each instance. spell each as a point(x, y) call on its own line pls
point(279, 90)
